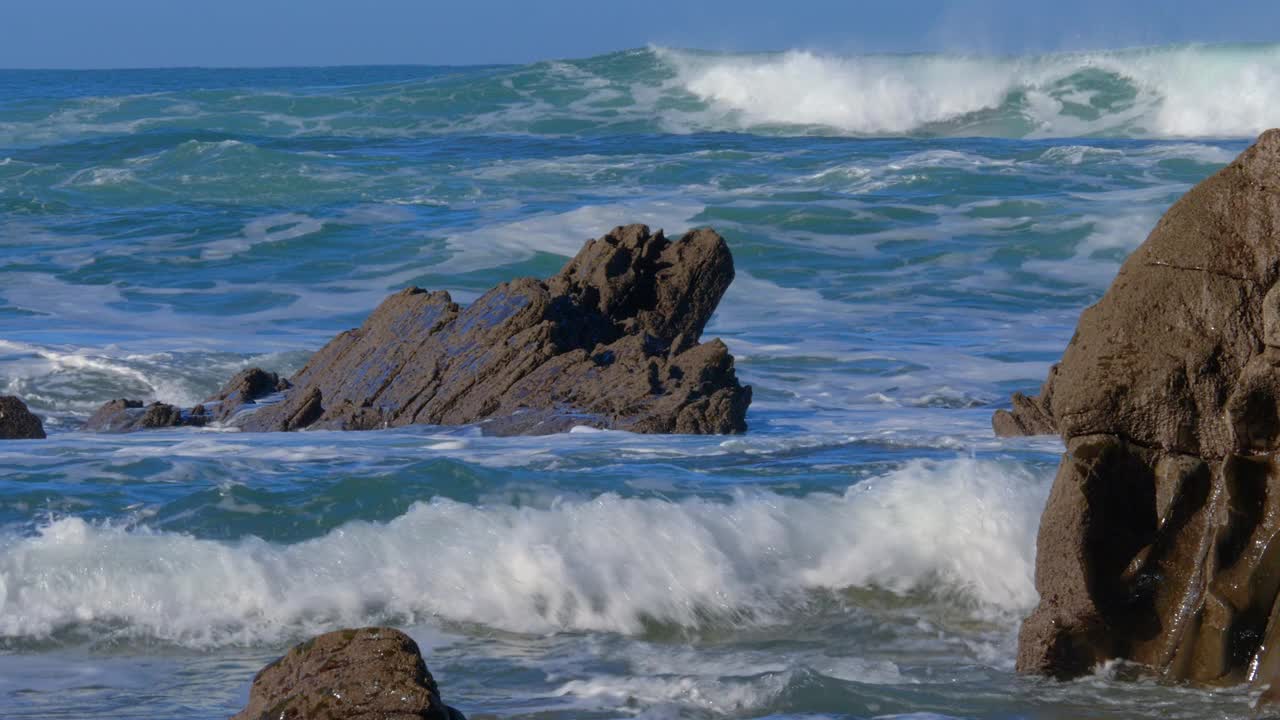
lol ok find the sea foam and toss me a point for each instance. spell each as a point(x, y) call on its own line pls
point(960, 530)
point(1176, 91)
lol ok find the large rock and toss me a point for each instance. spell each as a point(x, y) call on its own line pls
point(374, 673)
point(612, 341)
point(17, 422)
point(1160, 541)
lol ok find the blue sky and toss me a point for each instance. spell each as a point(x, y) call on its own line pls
point(166, 33)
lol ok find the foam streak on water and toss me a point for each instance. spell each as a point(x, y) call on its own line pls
point(914, 238)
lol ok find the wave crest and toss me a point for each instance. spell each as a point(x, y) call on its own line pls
point(1184, 91)
point(962, 528)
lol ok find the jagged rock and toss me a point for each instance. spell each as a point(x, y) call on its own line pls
point(1029, 415)
point(611, 341)
point(243, 389)
point(17, 422)
point(1160, 541)
point(366, 674)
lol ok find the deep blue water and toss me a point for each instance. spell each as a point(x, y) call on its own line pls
point(914, 239)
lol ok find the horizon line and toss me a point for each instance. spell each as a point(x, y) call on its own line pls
point(647, 46)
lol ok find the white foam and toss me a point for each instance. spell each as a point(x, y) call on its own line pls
point(864, 94)
point(1181, 91)
point(961, 527)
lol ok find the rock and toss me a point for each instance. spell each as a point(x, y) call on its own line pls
point(611, 342)
point(244, 389)
point(17, 422)
point(1160, 541)
point(1029, 416)
point(374, 673)
point(120, 416)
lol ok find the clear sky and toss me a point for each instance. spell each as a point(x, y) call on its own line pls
point(167, 33)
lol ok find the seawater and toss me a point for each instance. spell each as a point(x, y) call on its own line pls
point(914, 237)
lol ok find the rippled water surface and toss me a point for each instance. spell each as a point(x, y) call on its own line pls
point(914, 239)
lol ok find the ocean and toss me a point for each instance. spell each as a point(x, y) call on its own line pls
point(914, 236)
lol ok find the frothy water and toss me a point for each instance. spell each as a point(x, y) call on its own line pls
point(914, 238)
point(961, 530)
point(1191, 91)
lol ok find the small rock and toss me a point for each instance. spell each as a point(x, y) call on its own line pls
point(17, 422)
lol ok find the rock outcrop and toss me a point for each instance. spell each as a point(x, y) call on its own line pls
point(612, 341)
point(366, 674)
point(17, 422)
point(1160, 541)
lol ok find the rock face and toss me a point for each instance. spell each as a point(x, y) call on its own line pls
point(1160, 541)
point(17, 422)
point(612, 341)
point(372, 673)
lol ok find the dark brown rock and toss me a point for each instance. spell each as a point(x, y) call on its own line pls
point(611, 341)
point(115, 416)
point(244, 389)
point(1160, 541)
point(17, 422)
point(120, 416)
point(374, 673)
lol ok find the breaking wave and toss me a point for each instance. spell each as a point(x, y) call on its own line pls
point(960, 530)
point(1185, 91)
point(1214, 91)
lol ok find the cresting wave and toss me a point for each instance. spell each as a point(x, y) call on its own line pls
point(955, 530)
point(1213, 91)
point(1182, 91)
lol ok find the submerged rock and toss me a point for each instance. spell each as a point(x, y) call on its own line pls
point(17, 422)
point(374, 672)
point(612, 341)
point(1160, 541)
point(120, 416)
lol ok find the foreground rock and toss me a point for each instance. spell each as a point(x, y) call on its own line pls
point(612, 341)
point(374, 673)
point(17, 422)
point(1160, 541)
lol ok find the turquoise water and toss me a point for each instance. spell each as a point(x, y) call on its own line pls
point(914, 237)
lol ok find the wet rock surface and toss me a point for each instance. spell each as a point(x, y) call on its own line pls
point(1160, 541)
point(612, 341)
point(374, 673)
point(17, 422)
